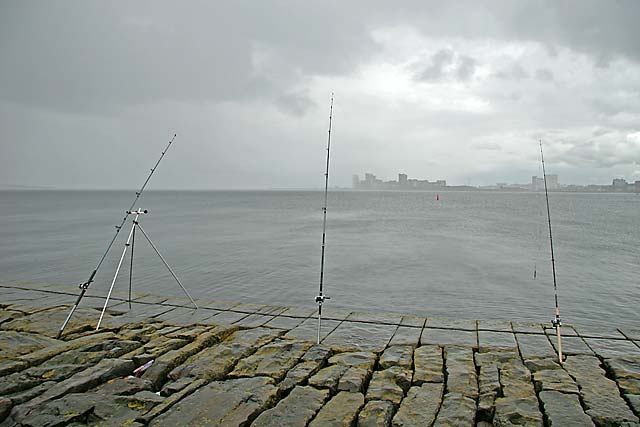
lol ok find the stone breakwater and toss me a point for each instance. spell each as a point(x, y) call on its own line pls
point(249, 364)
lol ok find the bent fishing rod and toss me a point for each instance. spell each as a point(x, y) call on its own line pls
point(556, 322)
point(321, 297)
point(84, 286)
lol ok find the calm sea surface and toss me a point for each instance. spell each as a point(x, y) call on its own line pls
point(469, 255)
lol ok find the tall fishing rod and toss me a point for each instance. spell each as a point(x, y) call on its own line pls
point(84, 286)
point(321, 297)
point(556, 322)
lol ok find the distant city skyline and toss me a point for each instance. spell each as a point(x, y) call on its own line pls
point(372, 182)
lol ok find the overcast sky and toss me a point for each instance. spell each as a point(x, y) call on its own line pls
point(90, 92)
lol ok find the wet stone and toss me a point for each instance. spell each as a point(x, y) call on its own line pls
point(571, 345)
point(274, 359)
point(534, 346)
point(415, 321)
point(489, 387)
point(428, 365)
point(564, 410)
point(599, 394)
point(449, 323)
point(308, 329)
point(157, 373)
point(420, 406)
point(175, 386)
point(554, 380)
point(47, 322)
point(5, 408)
point(461, 371)
point(15, 343)
point(299, 374)
point(359, 359)
point(26, 395)
point(492, 340)
point(353, 379)
point(456, 410)
point(361, 336)
point(398, 355)
point(390, 384)
point(527, 328)
point(535, 365)
point(232, 402)
point(625, 367)
point(297, 409)
point(215, 362)
point(328, 377)
point(342, 410)
point(517, 411)
point(629, 385)
point(405, 335)
point(448, 337)
point(376, 413)
point(494, 325)
point(80, 382)
point(608, 348)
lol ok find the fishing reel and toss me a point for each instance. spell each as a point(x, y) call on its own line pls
point(556, 322)
point(320, 298)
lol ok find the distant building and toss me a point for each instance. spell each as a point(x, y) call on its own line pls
point(372, 183)
point(537, 184)
point(355, 181)
point(619, 183)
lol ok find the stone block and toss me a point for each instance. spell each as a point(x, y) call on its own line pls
point(342, 410)
point(398, 355)
point(517, 411)
point(297, 409)
point(406, 335)
point(273, 359)
point(428, 365)
point(564, 410)
point(232, 402)
point(376, 413)
point(456, 410)
point(449, 337)
point(420, 407)
point(390, 384)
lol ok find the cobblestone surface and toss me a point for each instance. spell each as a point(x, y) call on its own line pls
point(232, 364)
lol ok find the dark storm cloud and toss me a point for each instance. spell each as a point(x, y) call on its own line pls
point(102, 56)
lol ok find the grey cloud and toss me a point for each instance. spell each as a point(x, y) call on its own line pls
point(435, 69)
point(544, 75)
point(466, 67)
point(100, 57)
point(490, 146)
point(445, 64)
point(295, 103)
point(515, 72)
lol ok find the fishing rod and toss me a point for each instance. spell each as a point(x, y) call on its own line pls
point(556, 322)
point(321, 297)
point(84, 286)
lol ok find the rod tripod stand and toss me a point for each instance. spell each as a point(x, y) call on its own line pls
point(131, 242)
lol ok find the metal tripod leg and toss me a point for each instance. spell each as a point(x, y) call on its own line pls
point(113, 282)
point(167, 265)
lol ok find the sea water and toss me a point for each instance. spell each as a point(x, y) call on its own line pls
point(473, 255)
